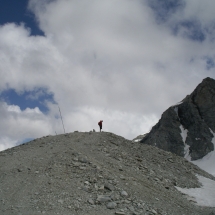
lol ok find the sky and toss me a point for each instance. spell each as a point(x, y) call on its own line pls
point(121, 61)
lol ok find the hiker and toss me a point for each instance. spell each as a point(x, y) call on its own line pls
point(100, 124)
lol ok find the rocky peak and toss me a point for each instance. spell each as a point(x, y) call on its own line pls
point(204, 99)
point(193, 119)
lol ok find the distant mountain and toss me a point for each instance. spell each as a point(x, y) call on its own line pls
point(187, 127)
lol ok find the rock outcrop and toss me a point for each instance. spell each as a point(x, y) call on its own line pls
point(187, 127)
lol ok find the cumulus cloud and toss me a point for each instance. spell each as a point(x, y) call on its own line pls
point(17, 125)
point(107, 60)
point(200, 10)
point(6, 143)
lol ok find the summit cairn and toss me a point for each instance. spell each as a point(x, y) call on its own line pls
point(188, 127)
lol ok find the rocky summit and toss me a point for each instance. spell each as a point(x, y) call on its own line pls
point(95, 173)
point(190, 123)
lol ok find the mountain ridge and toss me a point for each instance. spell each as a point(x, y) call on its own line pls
point(95, 173)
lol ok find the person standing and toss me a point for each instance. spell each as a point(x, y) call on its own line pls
point(100, 124)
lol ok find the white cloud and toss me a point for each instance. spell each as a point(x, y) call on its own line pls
point(6, 143)
point(119, 122)
point(100, 59)
point(199, 9)
point(17, 125)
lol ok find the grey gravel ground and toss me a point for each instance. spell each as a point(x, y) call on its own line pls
point(96, 174)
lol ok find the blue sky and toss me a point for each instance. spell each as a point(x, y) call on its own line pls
point(17, 12)
point(28, 99)
point(124, 62)
point(14, 11)
point(164, 9)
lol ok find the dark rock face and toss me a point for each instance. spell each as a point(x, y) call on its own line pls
point(196, 114)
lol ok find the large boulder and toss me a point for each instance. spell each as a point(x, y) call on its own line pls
point(189, 124)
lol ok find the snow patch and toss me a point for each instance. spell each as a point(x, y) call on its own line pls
point(183, 133)
point(137, 140)
point(186, 152)
point(186, 147)
point(204, 196)
point(208, 161)
point(213, 139)
point(176, 110)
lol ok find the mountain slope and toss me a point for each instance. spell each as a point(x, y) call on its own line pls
point(195, 117)
point(95, 173)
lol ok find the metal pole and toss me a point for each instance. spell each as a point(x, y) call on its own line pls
point(61, 119)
